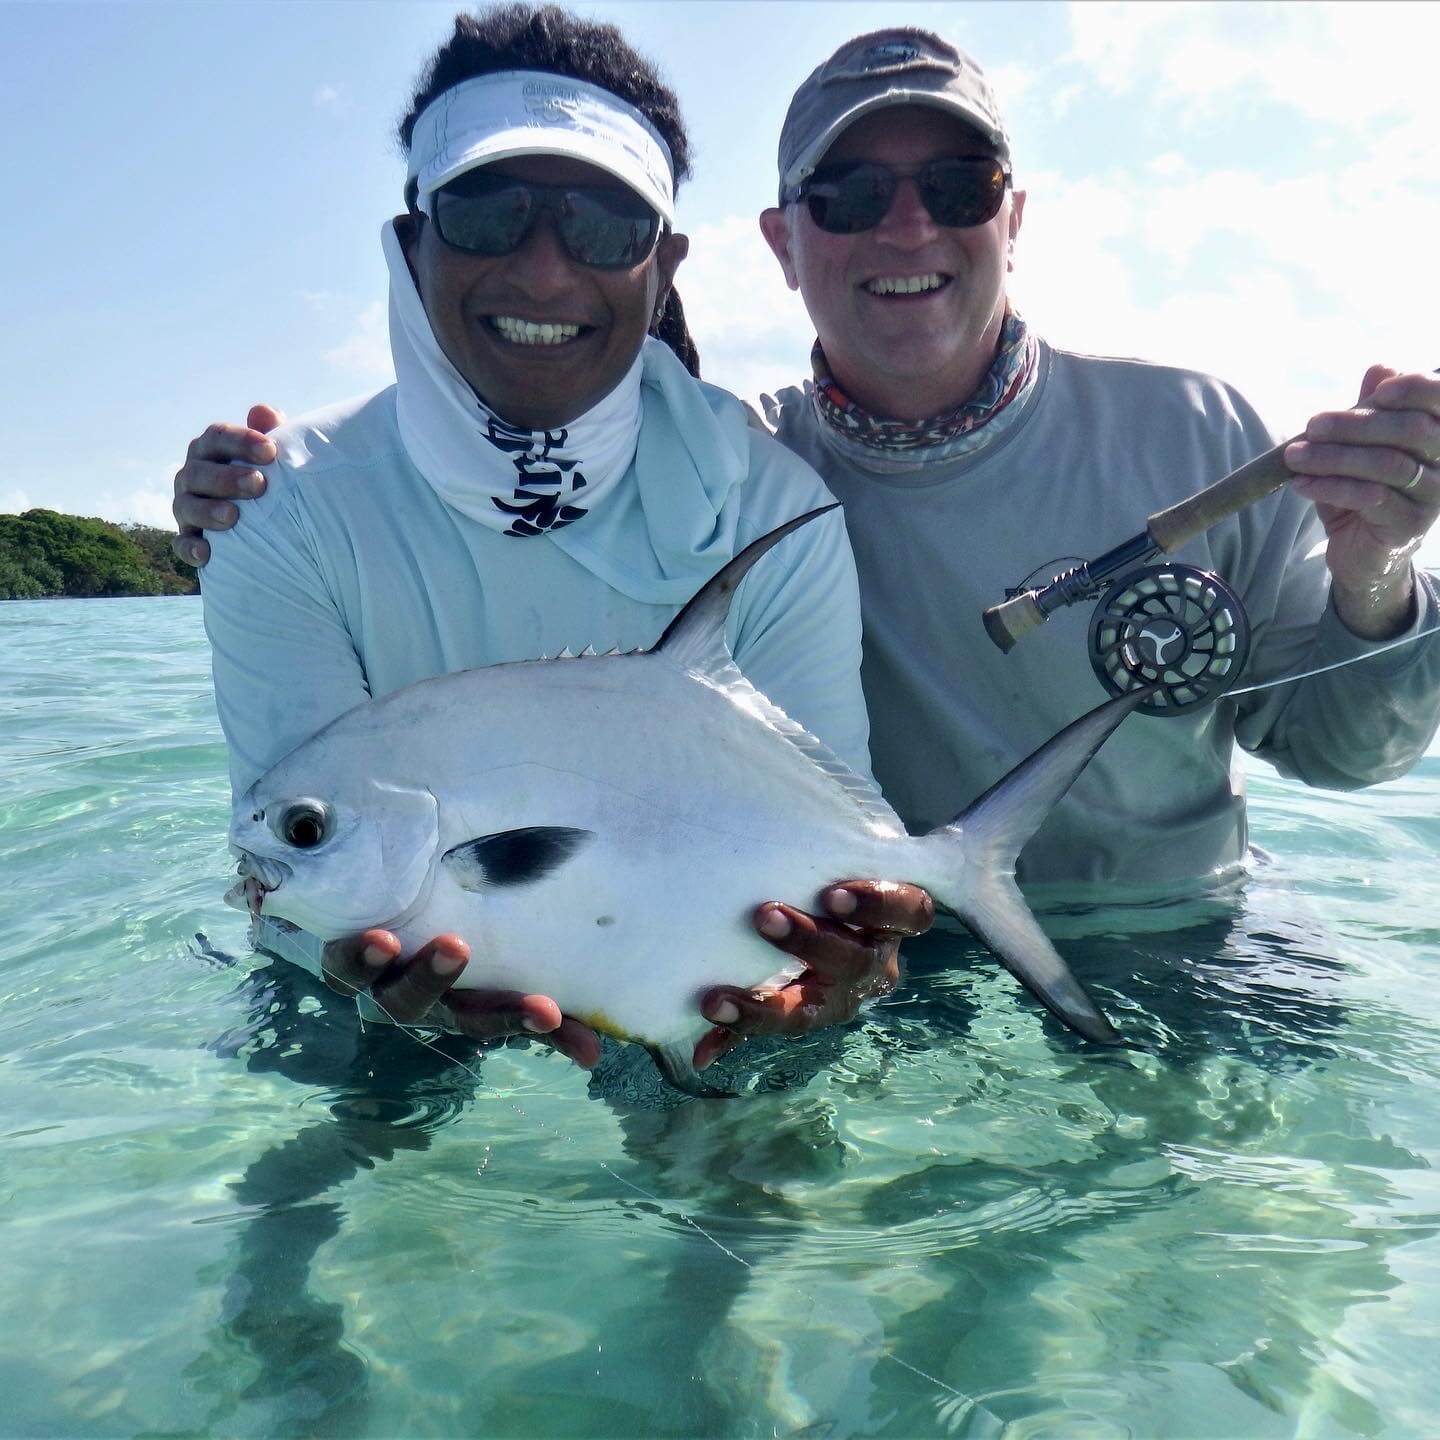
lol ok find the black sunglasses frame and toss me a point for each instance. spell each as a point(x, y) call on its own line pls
point(885, 196)
point(556, 203)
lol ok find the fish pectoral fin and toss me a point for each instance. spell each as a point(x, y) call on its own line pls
point(674, 1062)
point(1003, 922)
point(513, 857)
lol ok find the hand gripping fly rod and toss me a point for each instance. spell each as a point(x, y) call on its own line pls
point(1165, 531)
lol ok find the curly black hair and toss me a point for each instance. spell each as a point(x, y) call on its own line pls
point(547, 38)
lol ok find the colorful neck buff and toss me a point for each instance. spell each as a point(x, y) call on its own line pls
point(1009, 377)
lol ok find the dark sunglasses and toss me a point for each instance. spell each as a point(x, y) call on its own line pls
point(958, 192)
point(487, 214)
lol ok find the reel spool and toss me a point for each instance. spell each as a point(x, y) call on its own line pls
point(1174, 626)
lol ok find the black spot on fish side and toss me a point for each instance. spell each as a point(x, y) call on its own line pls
point(513, 857)
point(604, 919)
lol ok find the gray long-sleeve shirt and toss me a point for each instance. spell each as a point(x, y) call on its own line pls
point(1100, 445)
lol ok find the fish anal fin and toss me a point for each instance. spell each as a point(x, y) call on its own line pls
point(512, 857)
point(675, 1063)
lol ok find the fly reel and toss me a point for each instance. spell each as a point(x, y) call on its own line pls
point(1172, 626)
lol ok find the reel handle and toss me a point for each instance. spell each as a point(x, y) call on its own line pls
point(1266, 473)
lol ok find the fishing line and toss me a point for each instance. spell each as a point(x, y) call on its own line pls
point(1338, 665)
point(968, 1400)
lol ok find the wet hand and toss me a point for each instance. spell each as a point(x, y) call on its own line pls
point(206, 483)
point(1374, 475)
point(850, 957)
point(417, 989)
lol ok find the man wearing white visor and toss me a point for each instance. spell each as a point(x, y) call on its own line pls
point(541, 477)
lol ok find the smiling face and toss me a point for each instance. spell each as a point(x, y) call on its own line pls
point(484, 309)
point(909, 313)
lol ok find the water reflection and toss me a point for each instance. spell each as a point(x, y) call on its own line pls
point(386, 1094)
point(953, 1188)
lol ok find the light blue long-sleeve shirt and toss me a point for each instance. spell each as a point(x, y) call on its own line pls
point(350, 578)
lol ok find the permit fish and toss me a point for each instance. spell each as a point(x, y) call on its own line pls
point(561, 813)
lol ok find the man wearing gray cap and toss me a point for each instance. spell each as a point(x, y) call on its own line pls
point(969, 454)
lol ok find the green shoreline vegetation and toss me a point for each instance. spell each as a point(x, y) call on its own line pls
point(44, 555)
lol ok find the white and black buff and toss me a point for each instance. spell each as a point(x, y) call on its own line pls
point(521, 482)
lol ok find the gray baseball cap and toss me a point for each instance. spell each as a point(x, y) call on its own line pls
point(886, 67)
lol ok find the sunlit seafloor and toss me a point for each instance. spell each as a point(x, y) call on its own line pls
point(226, 1210)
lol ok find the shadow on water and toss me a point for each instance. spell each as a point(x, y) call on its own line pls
point(387, 1094)
point(1237, 1012)
point(1225, 980)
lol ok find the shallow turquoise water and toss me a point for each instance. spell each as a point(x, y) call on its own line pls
point(227, 1211)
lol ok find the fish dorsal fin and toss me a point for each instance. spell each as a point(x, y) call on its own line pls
point(695, 638)
point(863, 791)
point(512, 857)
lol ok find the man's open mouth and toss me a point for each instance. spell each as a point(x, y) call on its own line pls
point(903, 285)
point(535, 332)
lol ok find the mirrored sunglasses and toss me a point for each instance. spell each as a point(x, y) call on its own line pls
point(958, 192)
point(486, 214)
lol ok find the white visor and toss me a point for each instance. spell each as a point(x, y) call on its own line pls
point(530, 112)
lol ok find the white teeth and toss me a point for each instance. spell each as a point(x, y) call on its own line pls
point(527, 332)
point(904, 284)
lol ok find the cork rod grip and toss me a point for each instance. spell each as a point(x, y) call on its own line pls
point(1171, 528)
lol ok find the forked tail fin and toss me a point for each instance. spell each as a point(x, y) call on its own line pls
point(978, 849)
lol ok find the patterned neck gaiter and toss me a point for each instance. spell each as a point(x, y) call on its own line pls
point(520, 482)
point(1008, 377)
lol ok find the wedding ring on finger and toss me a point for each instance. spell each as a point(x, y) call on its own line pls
point(1414, 480)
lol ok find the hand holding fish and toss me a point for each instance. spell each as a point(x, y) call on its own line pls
point(850, 959)
point(1374, 475)
point(410, 990)
point(404, 808)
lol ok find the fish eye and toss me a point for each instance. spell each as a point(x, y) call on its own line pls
point(305, 824)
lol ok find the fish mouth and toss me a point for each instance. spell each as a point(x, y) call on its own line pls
point(257, 878)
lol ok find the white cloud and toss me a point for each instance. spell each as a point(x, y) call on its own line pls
point(150, 505)
point(1289, 289)
point(15, 502)
point(1012, 83)
point(364, 355)
point(326, 97)
point(1349, 65)
point(753, 333)
point(147, 504)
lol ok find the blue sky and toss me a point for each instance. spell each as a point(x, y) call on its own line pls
point(197, 191)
